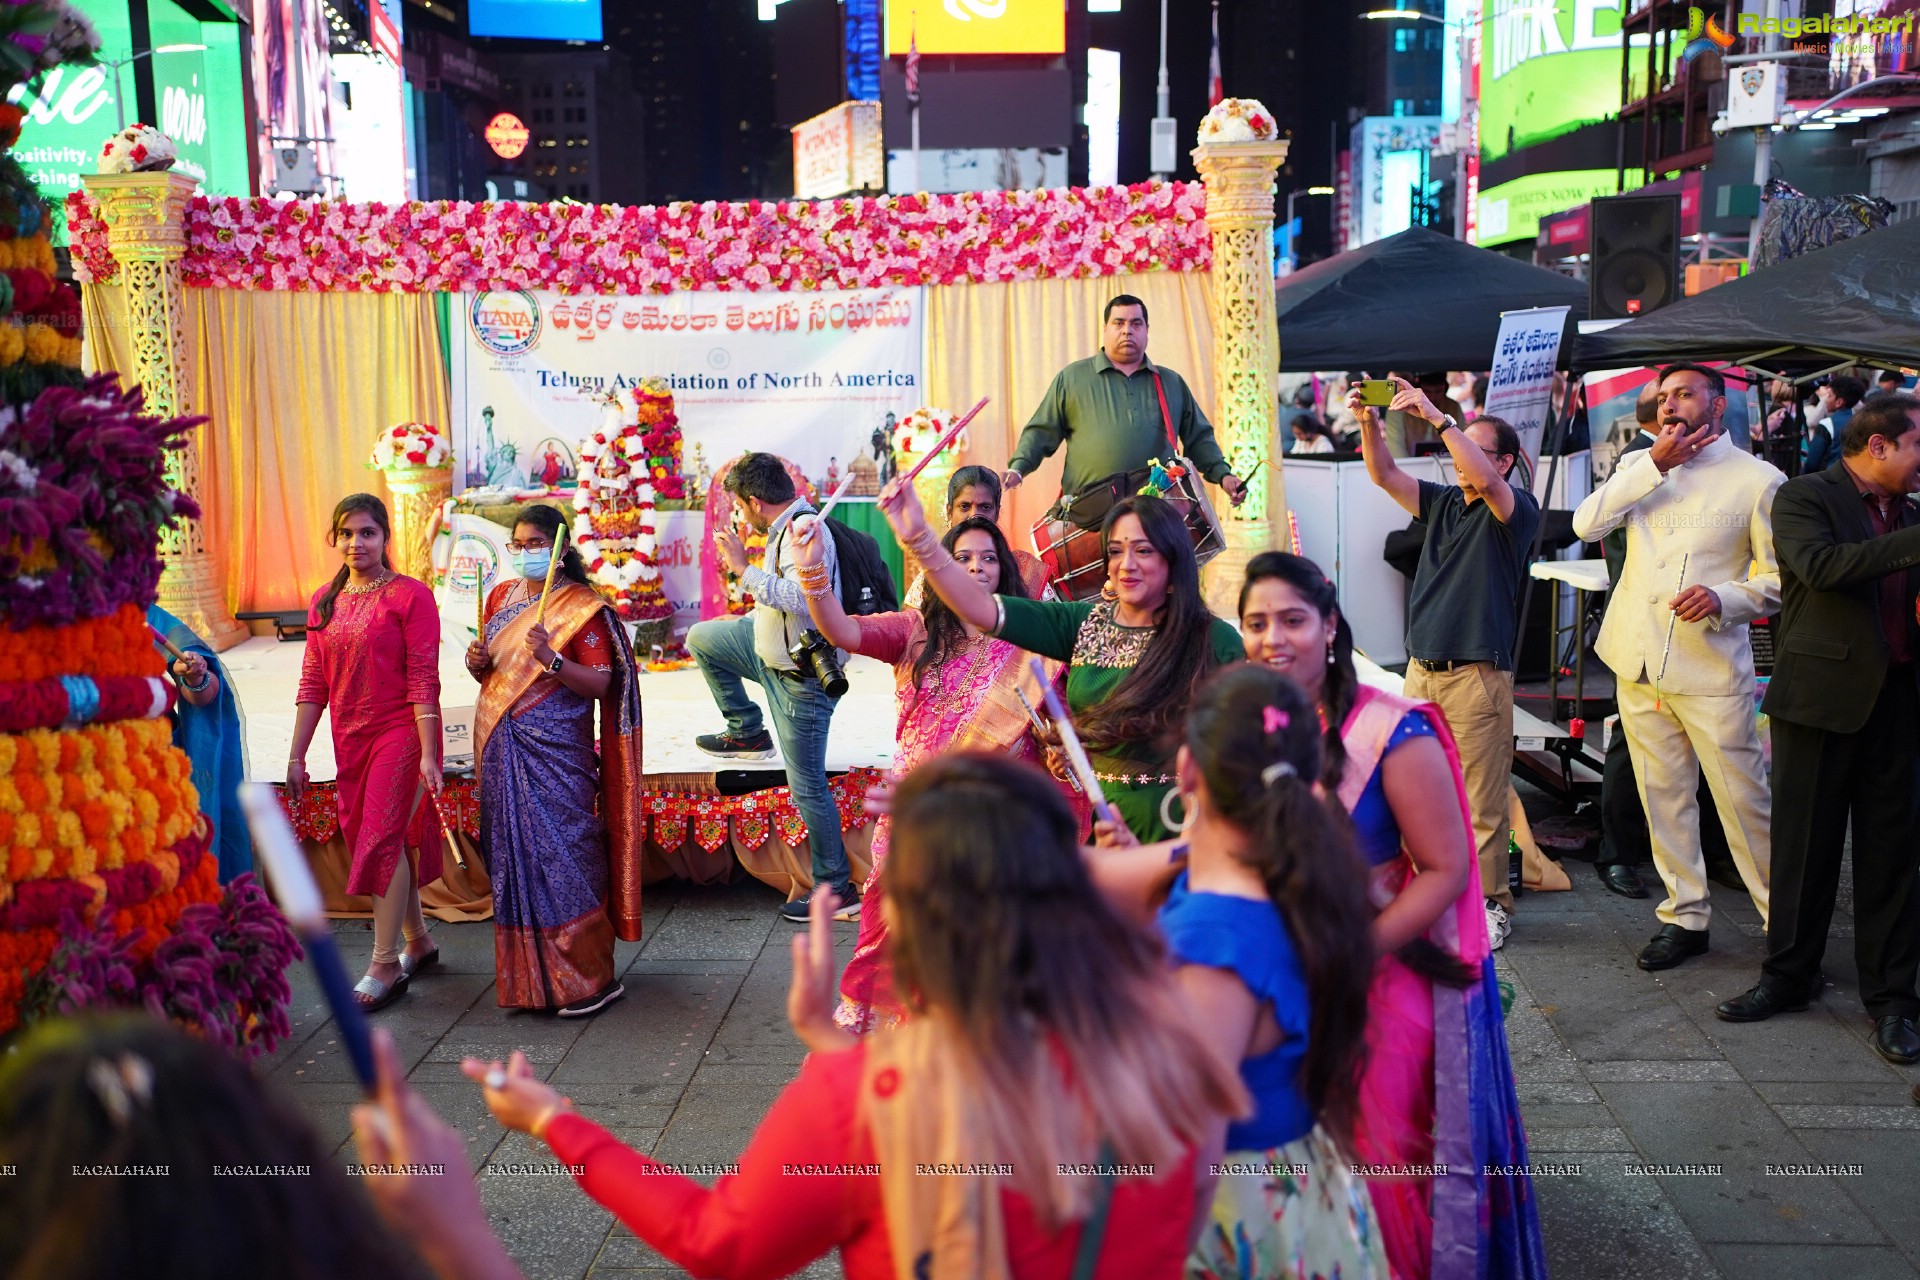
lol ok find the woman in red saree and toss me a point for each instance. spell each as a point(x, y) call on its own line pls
point(956, 688)
point(373, 660)
point(561, 827)
point(1438, 1089)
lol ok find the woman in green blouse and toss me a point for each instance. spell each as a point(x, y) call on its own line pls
point(1134, 656)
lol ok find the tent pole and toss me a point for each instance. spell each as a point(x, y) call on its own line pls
point(1560, 426)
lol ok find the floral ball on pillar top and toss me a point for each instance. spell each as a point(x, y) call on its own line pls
point(1238, 120)
point(914, 437)
point(411, 444)
point(138, 148)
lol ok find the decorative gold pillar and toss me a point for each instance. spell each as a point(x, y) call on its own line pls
point(146, 217)
point(1246, 350)
point(418, 493)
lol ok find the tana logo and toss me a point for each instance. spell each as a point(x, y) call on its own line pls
point(505, 321)
point(1703, 33)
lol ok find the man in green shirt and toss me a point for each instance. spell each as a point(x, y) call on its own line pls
point(1108, 410)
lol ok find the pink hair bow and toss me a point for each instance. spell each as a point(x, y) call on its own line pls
point(1277, 720)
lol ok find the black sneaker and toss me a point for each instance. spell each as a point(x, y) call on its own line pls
point(729, 746)
point(593, 1003)
point(797, 911)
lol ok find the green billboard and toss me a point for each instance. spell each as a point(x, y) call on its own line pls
point(199, 93)
point(1546, 70)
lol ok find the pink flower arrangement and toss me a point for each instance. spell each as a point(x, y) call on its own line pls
point(448, 246)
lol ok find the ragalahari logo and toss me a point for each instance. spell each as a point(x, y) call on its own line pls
point(1704, 32)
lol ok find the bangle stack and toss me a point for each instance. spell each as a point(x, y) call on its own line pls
point(816, 580)
point(206, 678)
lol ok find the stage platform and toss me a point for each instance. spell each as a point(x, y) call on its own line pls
point(676, 705)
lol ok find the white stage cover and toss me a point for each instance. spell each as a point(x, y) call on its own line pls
point(676, 705)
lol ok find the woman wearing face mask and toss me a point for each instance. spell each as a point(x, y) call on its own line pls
point(373, 660)
point(957, 689)
point(1133, 658)
point(559, 822)
point(973, 493)
point(1438, 1087)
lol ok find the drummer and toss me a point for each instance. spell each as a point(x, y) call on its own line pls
point(1116, 411)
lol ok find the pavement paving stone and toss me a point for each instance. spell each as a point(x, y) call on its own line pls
point(1603, 1225)
point(1854, 1263)
point(1888, 1186)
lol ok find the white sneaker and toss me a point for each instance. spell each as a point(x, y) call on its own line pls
point(1499, 924)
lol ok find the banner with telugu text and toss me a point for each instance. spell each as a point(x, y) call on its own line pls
point(1520, 384)
point(809, 376)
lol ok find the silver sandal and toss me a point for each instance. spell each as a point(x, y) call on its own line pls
point(383, 994)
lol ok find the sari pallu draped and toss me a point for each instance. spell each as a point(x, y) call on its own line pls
point(967, 703)
point(560, 828)
point(1438, 1084)
point(216, 748)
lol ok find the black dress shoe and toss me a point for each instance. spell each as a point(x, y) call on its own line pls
point(1621, 878)
point(1760, 1004)
point(1672, 945)
point(1897, 1040)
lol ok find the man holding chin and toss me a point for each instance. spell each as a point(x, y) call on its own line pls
point(1699, 568)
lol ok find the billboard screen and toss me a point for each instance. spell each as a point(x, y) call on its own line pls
point(535, 19)
point(976, 26)
point(1545, 71)
point(1512, 210)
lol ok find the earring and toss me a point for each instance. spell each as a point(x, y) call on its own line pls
point(1107, 592)
point(1329, 653)
point(1166, 813)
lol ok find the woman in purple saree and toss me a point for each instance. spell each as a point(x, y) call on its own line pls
point(1438, 1086)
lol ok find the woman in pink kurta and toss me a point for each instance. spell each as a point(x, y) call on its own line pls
point(372, 660)
point(963, 695)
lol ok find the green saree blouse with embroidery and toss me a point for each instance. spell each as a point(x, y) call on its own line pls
point(1099, 653)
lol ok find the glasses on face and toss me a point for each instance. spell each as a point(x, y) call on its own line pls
point(517, 546)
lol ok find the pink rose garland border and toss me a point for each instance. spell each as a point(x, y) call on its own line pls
point(457, 247)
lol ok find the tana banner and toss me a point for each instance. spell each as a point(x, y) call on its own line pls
point(1545, 70)
point(809, 376)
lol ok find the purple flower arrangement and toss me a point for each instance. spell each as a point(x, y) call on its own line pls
point(83, 496)
point(221, 973)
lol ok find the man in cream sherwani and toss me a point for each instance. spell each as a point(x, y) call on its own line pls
point(1700, 566)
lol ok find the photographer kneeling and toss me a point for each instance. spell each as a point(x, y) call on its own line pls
point(775, 647)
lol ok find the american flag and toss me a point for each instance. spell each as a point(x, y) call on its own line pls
point(1216, 87)
point(913, 67)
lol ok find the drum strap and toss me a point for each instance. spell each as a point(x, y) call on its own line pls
point(1166, 418)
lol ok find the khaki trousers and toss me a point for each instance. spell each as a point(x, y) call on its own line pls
point(1695, 735)
point(1477, 700)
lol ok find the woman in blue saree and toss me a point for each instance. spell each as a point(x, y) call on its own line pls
point(560, 823)
point(206, 725)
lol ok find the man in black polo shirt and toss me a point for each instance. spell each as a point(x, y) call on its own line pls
point(1463, 616)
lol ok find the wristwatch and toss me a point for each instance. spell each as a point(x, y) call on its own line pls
point(554, 666)
point(1441, 427)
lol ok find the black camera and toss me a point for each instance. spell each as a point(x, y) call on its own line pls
point(815, 655)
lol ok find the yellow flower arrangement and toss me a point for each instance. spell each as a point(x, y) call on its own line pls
point(80, 802)
point(43, 344)
point(13, 342)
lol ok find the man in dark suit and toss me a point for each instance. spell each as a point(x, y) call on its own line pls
point(1625, 841)
point(1845, 705)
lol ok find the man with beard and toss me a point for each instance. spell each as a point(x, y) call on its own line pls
point(1699, 567)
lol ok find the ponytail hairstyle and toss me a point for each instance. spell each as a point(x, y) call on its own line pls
point(365, 504)
point(548, 520)
point(1342, 680)
point(946, 634)
point(1256, 741)
point(1150, 702)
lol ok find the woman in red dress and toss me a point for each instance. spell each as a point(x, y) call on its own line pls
point(373, 659)
point(1037, 1117)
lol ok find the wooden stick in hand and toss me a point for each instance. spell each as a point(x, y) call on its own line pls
point(553, 567)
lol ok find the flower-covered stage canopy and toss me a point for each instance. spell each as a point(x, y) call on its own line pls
point(418, 247)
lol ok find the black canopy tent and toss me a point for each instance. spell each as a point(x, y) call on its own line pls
point(1416, 300)
point(1855, 302)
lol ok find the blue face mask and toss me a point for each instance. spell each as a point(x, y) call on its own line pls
point(535, 561)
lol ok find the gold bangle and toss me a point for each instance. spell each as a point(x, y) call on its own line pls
point(538, 1128)
point(431, 715)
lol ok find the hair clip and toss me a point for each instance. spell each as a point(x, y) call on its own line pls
point(1277, 719)
point(121, 1083)
point(1274, 772)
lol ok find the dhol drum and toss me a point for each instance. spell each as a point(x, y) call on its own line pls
point(1067, 539)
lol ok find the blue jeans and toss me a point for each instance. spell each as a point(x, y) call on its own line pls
point(802, 713)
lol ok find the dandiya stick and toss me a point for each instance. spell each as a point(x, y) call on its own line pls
point(806, 534)
point(1040, 727)
point(172, 649)
point(953, 433)
point(1070, 743)
point(1673, 616)
point(479, 602)
point(553, 567)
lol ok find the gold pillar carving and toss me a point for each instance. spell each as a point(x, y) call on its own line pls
point(1246, 350)
point(418, 493)
point(146, 217)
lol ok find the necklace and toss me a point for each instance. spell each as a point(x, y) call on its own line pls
point(350, 589)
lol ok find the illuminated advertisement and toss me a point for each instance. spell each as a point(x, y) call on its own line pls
point(1546, 70)
point(535, 19)
point(1512, 210)
point(976, 26)
point(198, 95)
